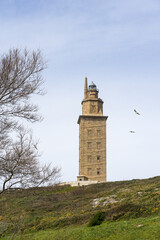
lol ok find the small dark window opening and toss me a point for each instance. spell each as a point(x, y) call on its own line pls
point(98, 133)
point(89, 145)
point(98, 171)
point(98, 158)
point(80, 179)
point(98, 145)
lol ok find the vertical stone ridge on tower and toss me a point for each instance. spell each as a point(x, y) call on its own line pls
point(92, 137)
point(85, 88)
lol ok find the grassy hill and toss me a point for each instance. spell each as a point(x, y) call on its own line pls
point(131, 208)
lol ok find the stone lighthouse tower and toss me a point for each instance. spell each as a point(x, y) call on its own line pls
point(92, 137)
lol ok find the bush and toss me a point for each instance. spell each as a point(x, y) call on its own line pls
point(117, 216)
point(97, 219)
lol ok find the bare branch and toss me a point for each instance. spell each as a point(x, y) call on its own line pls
point(19, 165)
point(20, 78)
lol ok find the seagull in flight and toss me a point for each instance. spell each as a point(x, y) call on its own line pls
point(136, 112)
point(132, 131)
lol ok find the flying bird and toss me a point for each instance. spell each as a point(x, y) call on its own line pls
point(132, 131)
point(136, 112)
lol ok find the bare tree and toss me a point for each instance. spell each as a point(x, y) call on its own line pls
point(20, 78)
point(19, 165)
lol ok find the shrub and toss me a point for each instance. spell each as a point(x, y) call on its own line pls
point(117, 216)
point(97, 219)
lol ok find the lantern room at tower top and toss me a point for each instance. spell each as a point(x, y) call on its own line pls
point(91, 104)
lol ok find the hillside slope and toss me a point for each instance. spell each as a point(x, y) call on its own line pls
point(56, 208)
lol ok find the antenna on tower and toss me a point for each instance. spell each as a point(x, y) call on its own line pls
point(85, 88)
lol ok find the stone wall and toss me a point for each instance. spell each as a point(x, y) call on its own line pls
point(92, 147)
point(78, 183)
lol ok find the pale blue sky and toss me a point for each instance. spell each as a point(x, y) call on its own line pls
point(116, 44)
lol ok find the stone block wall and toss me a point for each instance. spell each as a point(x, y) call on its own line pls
point(92, 147)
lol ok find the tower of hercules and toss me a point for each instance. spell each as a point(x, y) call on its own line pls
point(92, 137)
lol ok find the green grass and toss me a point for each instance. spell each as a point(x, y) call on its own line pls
point(63, 212)
point(133, 229)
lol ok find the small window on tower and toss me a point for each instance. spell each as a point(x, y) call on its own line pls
point(89, 145)
point(89, 171)
point(89, 132)
point(98, 133)
point(98, 145)
point(98, 158)
point(98, 171)
point(89, 159)
point(93, 108)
